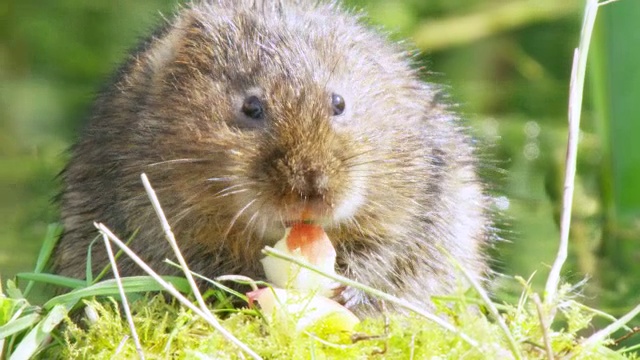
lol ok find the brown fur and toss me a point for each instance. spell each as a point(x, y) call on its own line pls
point(392, 179)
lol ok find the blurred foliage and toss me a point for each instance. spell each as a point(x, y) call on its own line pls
point(505, 62)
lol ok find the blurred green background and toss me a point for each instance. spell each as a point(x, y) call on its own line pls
point(506, 63)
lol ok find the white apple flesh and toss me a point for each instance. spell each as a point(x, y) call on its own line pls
point(283, 306)
point(309, 243)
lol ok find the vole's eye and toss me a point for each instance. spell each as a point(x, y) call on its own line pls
point(253, 107)
point(337, 104)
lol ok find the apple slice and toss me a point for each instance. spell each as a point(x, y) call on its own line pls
point(304, 310)
point(310, 243)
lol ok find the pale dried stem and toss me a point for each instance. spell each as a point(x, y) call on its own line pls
point(513, 345)
point(544, 326)
point(575, 108)
point(207, 316)
point(613, 327)
point(123, 296)
point(377, 293)
point(172, 241)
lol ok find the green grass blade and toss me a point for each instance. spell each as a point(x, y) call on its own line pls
point(107, 267)
point(30, 344)
point(110, 288)
point(18, 325)
point(615, 86)
point(620, 39)
point(50, 240)
point(53, 279)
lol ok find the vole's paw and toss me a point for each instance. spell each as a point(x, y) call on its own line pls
point(349, 297)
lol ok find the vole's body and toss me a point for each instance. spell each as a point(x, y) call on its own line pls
point(391, 178)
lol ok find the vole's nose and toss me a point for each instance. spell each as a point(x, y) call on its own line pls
point(309, 181)
point(307, 192)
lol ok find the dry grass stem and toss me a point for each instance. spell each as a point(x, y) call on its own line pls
point(123, 296)
point(613, 327)
point(544, 326)
point(377, 293)
point(239, 278)
point(172, 241)
point(575, 109)
point(513, 345)
point(207, 316)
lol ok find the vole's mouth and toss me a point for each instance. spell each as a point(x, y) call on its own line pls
point(280, 219)
point(290, 223)
point(297, 213)
point(311, 212)
point(275, 230)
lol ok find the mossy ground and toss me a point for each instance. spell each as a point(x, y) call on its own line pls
point(170, 331)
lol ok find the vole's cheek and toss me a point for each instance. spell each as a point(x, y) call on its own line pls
point(352, 200)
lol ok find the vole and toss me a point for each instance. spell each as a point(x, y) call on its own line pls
point(250, 115)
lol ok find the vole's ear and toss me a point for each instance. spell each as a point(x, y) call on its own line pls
point(146, 65)
point(167, 42)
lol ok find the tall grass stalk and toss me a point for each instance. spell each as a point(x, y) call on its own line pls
point(123, 296)
point(171, 238)
point(576, 90)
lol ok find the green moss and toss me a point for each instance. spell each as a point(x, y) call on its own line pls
point(167, 330)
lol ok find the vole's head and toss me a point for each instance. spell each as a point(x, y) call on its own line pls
point(285, 112)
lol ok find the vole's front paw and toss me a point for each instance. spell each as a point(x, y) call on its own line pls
point(348, 297)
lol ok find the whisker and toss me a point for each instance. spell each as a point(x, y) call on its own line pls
point(225, 190)
point(230, 193)
point(237, 216)
point(221, 179)
point(263, 229)
point(180, 161)
point(184, 213)
point(253, 217)
point(252, 228)
point(251, 220)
